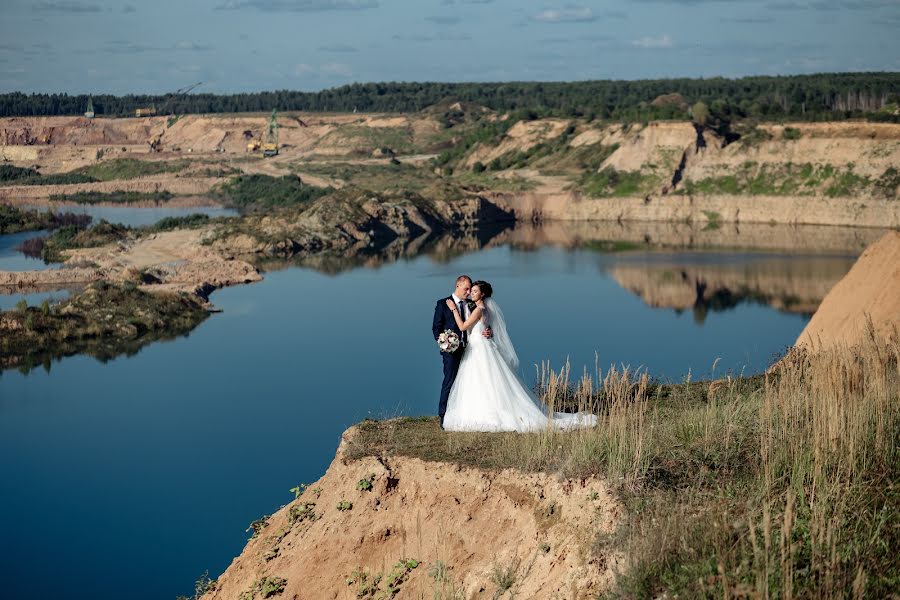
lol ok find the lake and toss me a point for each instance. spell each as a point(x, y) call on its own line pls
point(11, 259)
point(131, 478)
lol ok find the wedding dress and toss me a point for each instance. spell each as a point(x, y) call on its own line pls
point(488, 394)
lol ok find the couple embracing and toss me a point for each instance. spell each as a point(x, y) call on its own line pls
point(482, 390)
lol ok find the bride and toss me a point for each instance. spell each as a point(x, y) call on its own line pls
point(487, 394)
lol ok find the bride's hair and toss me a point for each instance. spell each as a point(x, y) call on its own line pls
point(486, 290)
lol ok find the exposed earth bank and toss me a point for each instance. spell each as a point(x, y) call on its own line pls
point(868, 294)
point(371, 525)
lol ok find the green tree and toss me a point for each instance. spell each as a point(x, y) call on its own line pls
point(700, 113)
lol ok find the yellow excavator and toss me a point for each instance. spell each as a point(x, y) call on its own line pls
point(269, 147)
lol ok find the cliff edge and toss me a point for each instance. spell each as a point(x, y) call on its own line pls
point(406, 528)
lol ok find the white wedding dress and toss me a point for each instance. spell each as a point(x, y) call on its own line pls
point(488, 395)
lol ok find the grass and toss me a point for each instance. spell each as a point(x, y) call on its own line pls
point(10, 174)
point(119, 197)
point(131, 168)
point(375, 176)
point(610, 183)
point(192, 221)
point(259, 192)
point(491, 182)
point(791, 179)
point(783, 485)
point(109, 170)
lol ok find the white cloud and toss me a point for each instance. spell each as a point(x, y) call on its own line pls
point(333, 68)
point(337, 69)
point(68, 7)
point(298, 5)
point(571, 14)
point(663, 41)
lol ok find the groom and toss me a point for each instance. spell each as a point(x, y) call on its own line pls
point(443, 320)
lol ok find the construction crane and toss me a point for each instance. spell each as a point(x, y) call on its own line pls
point(178, 93)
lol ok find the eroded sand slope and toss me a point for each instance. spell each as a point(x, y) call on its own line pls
point(871, 290)
point(470, 520)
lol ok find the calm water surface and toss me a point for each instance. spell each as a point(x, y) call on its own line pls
point(141, 473)
point(13, 260)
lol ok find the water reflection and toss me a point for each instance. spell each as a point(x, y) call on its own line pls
point(677, 266)
point(794, 284)
point(11, 259)
point(137, 216)
point(34, 295)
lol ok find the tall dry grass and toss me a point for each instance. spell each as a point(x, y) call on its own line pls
point(776, 486)
point(803, 507)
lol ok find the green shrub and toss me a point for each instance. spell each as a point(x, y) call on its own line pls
point(192, 221)
point(613, 183)
point(790, 133)
point(120, 197)
point(255, 192)
point(14, 173)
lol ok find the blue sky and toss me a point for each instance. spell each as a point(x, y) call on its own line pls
point(81, 46)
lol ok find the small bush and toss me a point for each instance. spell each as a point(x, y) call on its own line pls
point(790, 133)
point(258, 525)
point(504, 577)
point(192, 221)
point(365, 484)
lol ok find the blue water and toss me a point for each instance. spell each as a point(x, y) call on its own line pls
point(140, 216)
point(13, 260)
point(133, 477)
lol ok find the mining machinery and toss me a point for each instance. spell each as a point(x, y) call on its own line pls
point(270, 146)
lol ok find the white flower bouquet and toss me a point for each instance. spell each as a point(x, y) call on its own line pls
point(448, 341)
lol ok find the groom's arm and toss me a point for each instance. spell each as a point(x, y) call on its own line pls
point(438, 321)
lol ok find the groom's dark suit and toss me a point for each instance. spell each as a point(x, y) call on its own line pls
point(443, 320)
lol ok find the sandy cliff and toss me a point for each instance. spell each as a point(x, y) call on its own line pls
point(870, 291)
point(468, 520)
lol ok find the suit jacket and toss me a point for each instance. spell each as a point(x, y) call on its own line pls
point(443, 319)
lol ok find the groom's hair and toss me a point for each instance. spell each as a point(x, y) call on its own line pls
point(462, 278)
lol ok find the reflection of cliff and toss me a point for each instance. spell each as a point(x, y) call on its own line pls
point(600, 236)
point(754, 236)
point(441, 248)
point(795, 285)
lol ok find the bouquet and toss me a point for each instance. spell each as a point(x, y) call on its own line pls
point(448, 341)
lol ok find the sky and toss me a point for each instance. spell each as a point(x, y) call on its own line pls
point(106, 46)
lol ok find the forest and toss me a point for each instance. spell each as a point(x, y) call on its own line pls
point(831, 96)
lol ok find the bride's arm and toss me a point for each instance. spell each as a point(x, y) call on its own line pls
point(468, 323)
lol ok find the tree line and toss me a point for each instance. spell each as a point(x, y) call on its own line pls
point(802, 97)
